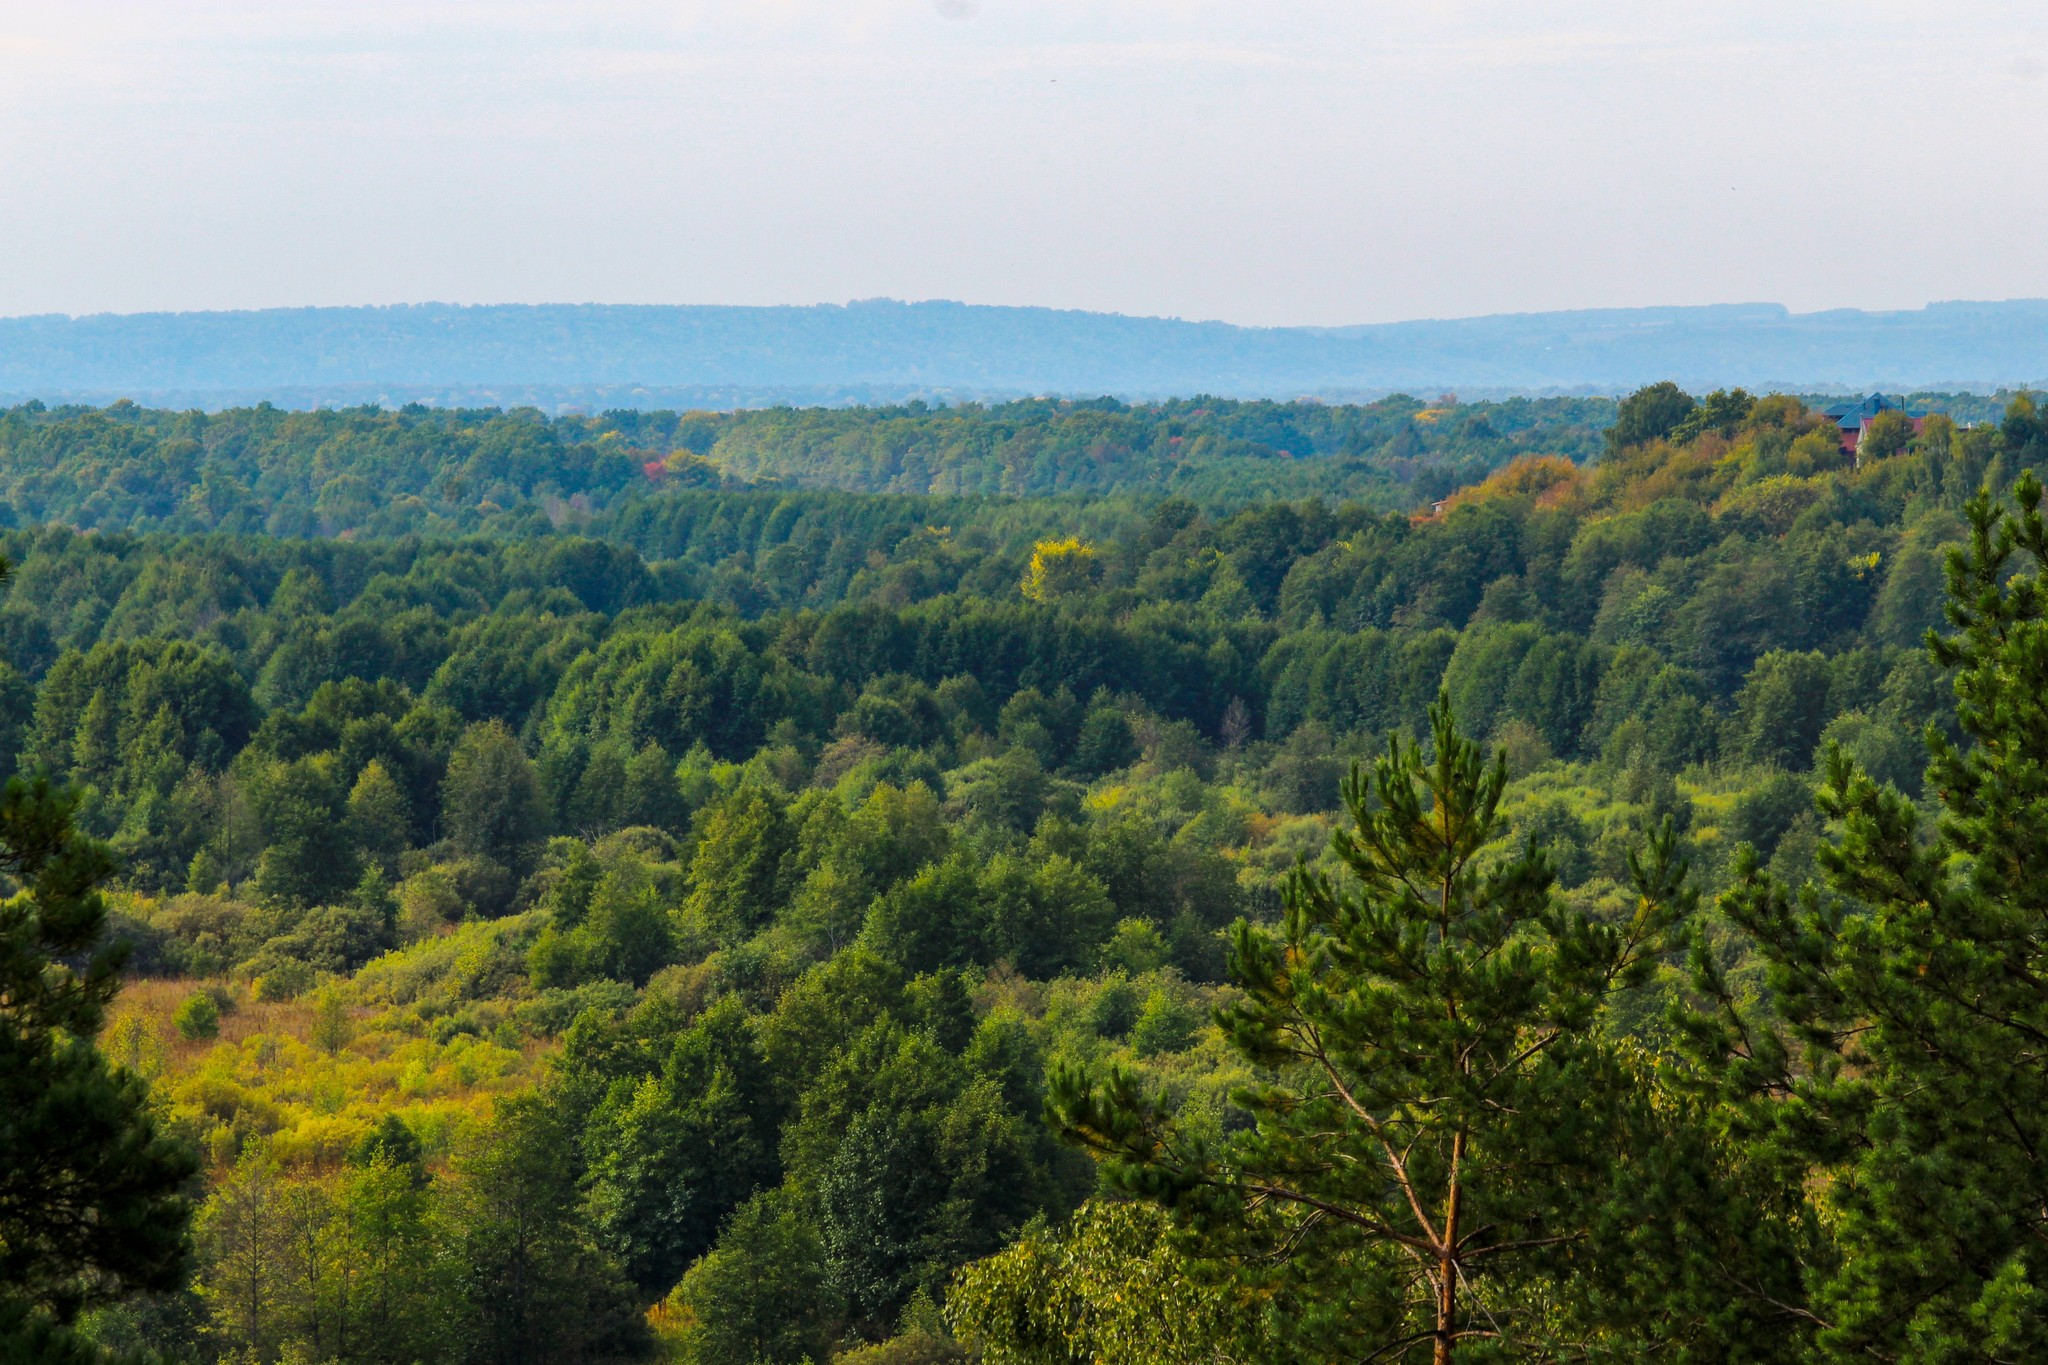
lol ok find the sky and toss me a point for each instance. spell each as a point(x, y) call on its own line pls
point(1268, 162)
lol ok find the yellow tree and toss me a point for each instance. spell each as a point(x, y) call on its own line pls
point(1059, 568)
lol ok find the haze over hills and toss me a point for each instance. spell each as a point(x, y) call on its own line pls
point(589, 355)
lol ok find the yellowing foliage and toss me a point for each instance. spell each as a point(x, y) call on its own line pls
point(1550, 479)
point(264, 1076)
point(1058, 568)
point(1772, 504)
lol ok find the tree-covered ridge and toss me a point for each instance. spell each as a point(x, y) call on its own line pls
point(885, 347)
point(787, 848)
point(372, 472)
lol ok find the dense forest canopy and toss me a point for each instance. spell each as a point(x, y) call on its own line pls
point(420, 470)
point(576, 916)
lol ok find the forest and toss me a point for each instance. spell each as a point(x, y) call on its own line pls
point(1202, 882)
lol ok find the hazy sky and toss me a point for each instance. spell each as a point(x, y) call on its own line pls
point(1262, 161)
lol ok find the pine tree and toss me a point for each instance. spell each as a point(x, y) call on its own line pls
point(1436, 1145)
point(1902, 1078)
point(90, 1203)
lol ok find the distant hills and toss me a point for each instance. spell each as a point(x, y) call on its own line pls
point(612, 356)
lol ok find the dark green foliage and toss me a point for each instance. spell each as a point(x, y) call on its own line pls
point(672, 1154)
point(534, 1288)
point(1765, 812)
point(91, 1203)
point(416, 471)
point(1782, 709)
point(1902, 1076)
point(916, 1163)
point(300, 807)
point(390, 1142)
point(742, 871)
point(1105, 743)
point(491, 802)
point(1652, 413)
point(1040, 916)
point(1720, 412)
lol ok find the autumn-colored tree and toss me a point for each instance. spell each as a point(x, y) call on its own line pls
point(1059, 568)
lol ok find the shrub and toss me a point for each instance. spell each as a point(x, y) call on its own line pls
point(276, 977)
point(198, 1017)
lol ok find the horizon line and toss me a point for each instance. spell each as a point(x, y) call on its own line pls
point(1761, 308)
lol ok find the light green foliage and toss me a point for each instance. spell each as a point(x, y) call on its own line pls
point(198, 1017)
point(1110, 1288)
point(333, 1024)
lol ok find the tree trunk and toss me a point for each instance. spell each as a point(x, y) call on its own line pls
point(1447, 1257)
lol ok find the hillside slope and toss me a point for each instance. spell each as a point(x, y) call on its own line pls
point(619, 356)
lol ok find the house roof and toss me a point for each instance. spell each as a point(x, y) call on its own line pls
point(1853, 414)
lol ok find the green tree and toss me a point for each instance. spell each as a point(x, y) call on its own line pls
point(1889, 433)
point(197, 1016)
point(917, 1161)
point(93, 750)
point(1782, 709)
point(673, 1154)
point(740, 875)
point(241, 1234)
point(491, 804)
point(1721, 411)
point(1106, 742)
point(1900, 1079)
point(1042, 916)
point(623, 932)
point(392, 1142)
point(90, 1202)
point(394, 1277)
point(649, 794)
point(309, 859)
point(533, 1287)
point(760, 1297)
point(333, 1021)
point(1909, 603)
point(1649, 414)
point(1437, 1144)
point(378, 819)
